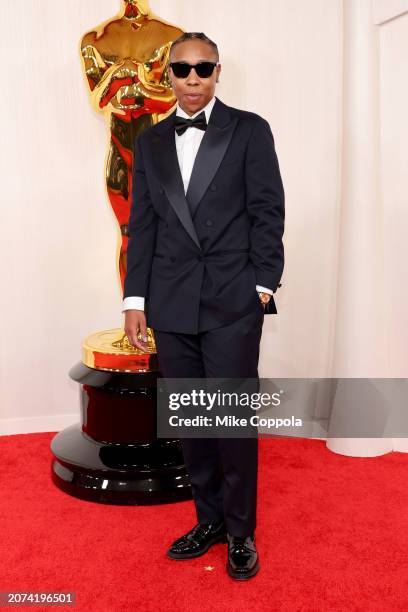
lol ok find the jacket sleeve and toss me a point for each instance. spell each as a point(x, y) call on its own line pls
point(265, 200)
point(142, 230)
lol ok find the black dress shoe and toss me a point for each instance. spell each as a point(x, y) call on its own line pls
point(197, 541)
point(243, 560)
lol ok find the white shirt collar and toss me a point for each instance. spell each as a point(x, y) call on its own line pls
point(207, 109)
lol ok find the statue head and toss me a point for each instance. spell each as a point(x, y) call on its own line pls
point(133, 8)
point(194, 92)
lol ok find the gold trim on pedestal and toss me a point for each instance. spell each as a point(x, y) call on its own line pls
point(111, 351)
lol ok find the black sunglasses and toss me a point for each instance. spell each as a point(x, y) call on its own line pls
point(182, 69)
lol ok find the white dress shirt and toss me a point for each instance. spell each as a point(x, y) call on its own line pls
point(187, 145)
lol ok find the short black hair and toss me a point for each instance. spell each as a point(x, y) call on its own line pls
point(195, 36)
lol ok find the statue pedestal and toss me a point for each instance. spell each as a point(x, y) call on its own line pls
point(114, 456)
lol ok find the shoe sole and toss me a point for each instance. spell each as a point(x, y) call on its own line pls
point(183, 556)
point(240, 576)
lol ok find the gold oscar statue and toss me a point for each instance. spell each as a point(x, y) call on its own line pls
point(125, 63)
point(113, 455)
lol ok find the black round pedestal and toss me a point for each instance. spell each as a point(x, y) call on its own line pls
point(114, 456)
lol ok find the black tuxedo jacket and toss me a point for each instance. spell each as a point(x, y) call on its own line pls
point(196, 258)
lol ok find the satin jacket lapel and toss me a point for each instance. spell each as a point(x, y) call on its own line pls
point(210, 153)
point(168, 173)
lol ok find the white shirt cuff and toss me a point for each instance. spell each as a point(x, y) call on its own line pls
point(133, 303)
point(264, 289)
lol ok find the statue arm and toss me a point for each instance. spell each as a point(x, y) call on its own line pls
point(148, 79)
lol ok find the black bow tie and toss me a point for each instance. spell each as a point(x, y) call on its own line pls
point(181, 124)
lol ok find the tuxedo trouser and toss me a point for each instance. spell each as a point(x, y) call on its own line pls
point(222, 471)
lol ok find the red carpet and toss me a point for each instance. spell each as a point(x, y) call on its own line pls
point(332, 535)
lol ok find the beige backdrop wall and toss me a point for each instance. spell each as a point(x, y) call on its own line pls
point(343, 304)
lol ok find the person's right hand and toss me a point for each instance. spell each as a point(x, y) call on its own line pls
point(135, 323)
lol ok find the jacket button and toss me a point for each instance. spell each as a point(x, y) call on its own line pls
point(208, 222)
point(213, 187)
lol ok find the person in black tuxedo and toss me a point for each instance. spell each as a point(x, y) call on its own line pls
point(205, 256)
